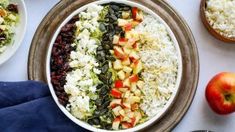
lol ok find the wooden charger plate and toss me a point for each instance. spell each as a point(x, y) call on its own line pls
point(208, 26)
point(190, 60)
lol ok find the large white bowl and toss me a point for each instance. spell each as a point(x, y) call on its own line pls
point(19, 33)
point(138, 127)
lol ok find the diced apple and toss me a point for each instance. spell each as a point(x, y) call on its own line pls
point(122, 41)
point(139, 16)
point(137, 67)
point(115, 102)
point(136, 46)
point(133, 86)
point(133, 99)
point(126, 50)
point(127, 69)
point(127, 75)
point(116, 123)
point(126, 125)
point(134, 11)
point(123, 89)
point(126, 61)
point(127, 94)
point(117, 65)
point(127, 110)
point(121, 74)
point(116, 110)
point(125, 14)
point(115, 39)
point(122, 22)
point(122, 112)
point(137, 92)
point(128, 27)
point(116, 93)
point(137, 117)
point(133, 78)
point(118, 52)
point(125, 118)
point(126, 83)
point(140, 84)
point(126, 105)
point(130, 114)
point(134, 56)
point(135, 23)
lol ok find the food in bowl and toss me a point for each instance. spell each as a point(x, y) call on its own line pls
point(220, 15)
point(9, 18)
point(114, 66)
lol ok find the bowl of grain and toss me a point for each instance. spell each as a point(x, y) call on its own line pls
point(218, 16)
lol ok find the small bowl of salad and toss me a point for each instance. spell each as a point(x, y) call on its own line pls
point(13, 19)
point(114, 66)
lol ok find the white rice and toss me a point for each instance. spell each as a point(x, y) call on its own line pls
point(221, 16)
point(160, 60)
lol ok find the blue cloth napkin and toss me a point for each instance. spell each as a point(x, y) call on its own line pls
point(28, 106)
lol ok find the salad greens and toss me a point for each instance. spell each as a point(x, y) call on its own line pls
point(9, 18)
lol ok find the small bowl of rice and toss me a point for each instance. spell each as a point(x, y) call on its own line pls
point(218, 16)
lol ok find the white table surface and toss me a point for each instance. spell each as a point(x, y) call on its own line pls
point(215, 57)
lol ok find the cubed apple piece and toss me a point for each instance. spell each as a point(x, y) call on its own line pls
point(118, 52)
point(133, 99)
point(125, 14)
point(135, 23)
point(126, 50)
point(137, 92)
point(130, 114)
point(116, 93)
point(134, 56)
point(137, 67)
point(125, 119)
point(134, 12)
point(126, 83)
point(122, 41)
point(116, 110)
point(115, 102)
point(139, 16)
point(122, 22)
point(128, 27)
point(136, 46)
point(122, 112)
point(127, 94)
point(116, 123)
point(126, 61)
point(138, 116)
point(126, 125)
point(126, 105)
point(133, 87)
point(116, 39)
point(134, 78)
point(121, 75)
point(117, 65)
point(127, 69)
point(140, 84)
point(123, 90)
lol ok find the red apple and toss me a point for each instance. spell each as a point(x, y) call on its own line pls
point(220, 93)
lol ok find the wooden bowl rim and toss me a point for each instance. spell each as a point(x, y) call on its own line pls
point(208, 26)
